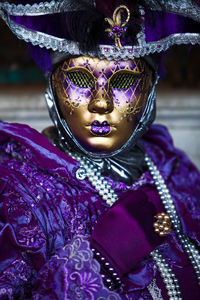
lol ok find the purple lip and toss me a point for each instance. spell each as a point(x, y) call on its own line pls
point(100, 128)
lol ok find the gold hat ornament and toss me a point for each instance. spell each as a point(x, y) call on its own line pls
point(118, 28)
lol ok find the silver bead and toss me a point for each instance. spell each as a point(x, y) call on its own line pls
point(118, 279)
point(81, 174)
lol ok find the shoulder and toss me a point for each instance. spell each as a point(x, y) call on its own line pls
point(159, 146)
point(25, 144)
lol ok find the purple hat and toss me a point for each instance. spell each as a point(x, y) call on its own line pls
point(74, 27)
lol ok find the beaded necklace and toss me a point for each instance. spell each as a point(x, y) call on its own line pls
point(92, 172)
point(167, 201)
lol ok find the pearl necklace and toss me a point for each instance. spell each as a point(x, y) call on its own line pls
point(190, 249)
point(169, 278)
point(93, 173)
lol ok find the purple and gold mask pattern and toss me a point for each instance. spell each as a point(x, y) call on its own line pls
point(122, 83)
point(101, 101)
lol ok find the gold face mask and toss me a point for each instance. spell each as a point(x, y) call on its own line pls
point(102, 101)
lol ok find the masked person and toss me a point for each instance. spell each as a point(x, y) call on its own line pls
point(101, 206)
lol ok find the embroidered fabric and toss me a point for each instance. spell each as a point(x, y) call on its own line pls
point(16, 276)
point(154, 290)
point(75, 266)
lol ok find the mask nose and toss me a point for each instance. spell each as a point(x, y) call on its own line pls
point(101, 101)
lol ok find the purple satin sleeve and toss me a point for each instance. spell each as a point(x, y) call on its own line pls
point(124, 235)
point(42, 152)
point(22, 242)
point(72, 273)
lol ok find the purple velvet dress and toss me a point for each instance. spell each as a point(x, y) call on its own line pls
point(47, 217)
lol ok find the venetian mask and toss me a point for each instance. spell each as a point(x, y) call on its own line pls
point(101, 100)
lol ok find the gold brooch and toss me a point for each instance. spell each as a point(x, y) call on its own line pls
point(163, 225)
point(118, 28)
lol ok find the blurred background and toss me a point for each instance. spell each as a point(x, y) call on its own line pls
point(22, 87)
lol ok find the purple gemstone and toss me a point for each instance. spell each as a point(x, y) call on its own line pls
point(116, 29)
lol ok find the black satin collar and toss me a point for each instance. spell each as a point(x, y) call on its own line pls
point(126, 167)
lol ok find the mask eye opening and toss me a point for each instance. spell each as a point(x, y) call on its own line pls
point(123, 80)
point(80, 78)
